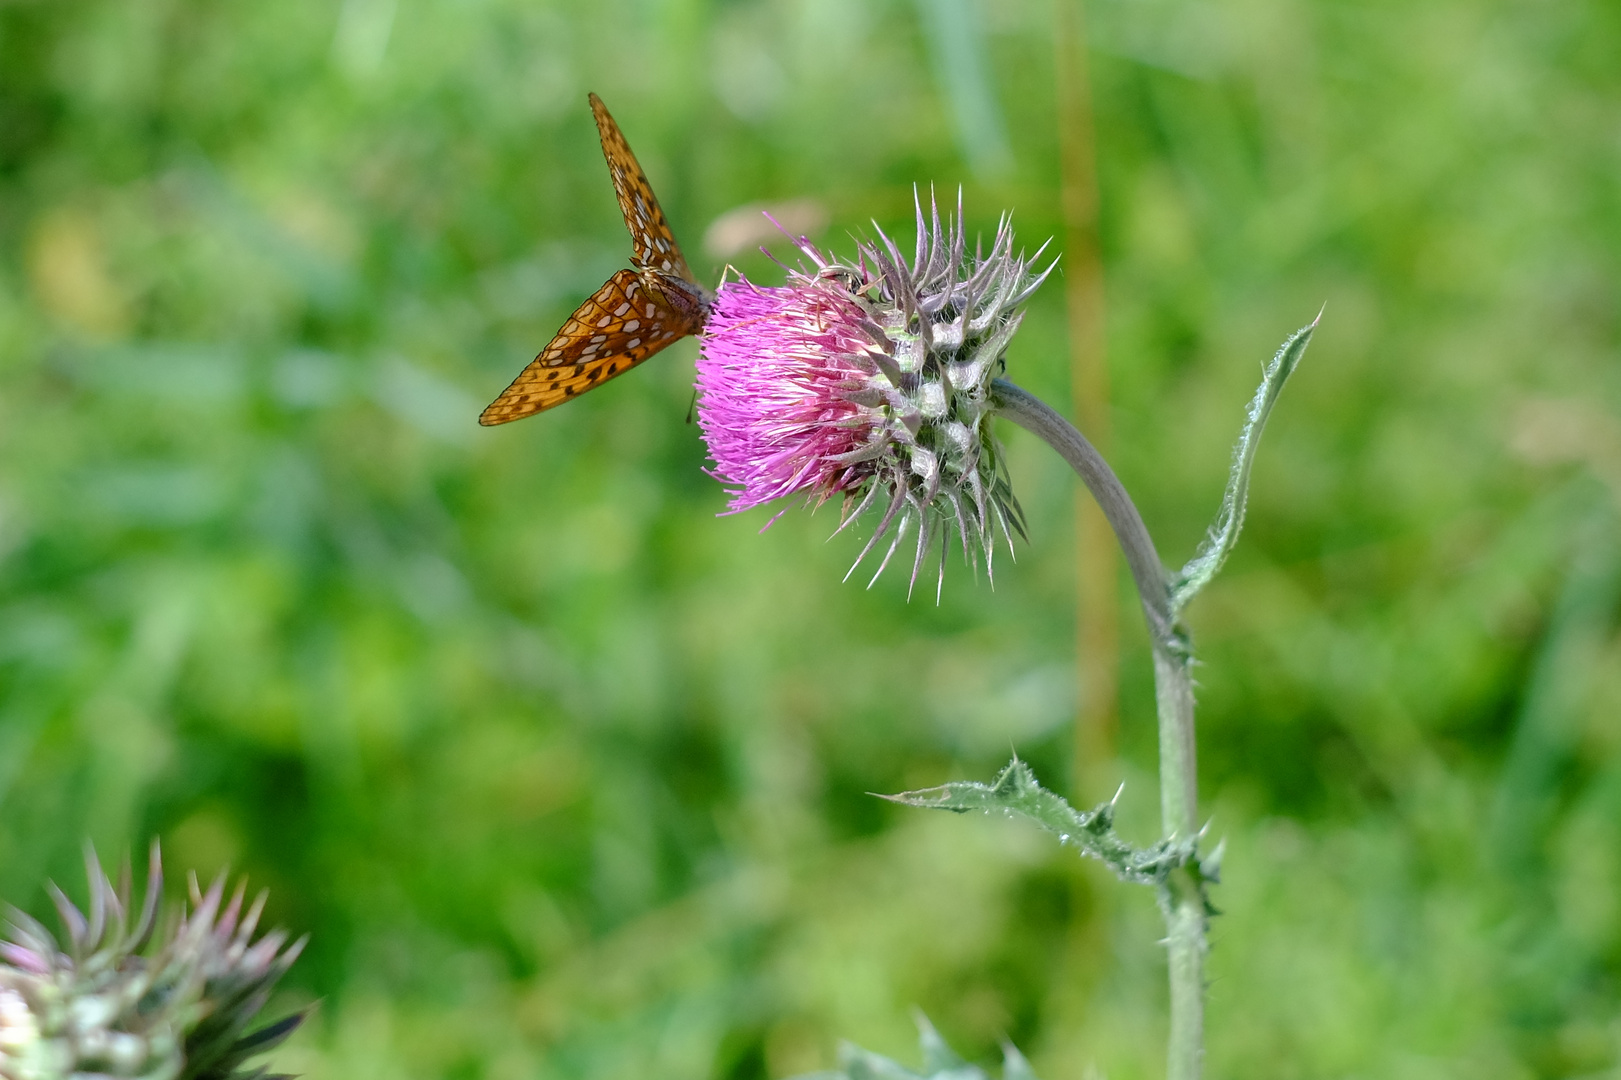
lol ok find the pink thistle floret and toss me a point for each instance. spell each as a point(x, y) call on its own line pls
point(776, 371)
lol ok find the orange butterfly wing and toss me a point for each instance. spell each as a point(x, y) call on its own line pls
point(616, 329)
point(635, 313)
point(655, 246)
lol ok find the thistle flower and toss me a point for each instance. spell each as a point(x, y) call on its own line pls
point(871, 381)
point(129, 1001)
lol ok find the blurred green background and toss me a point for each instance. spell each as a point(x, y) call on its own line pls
point(566, 775)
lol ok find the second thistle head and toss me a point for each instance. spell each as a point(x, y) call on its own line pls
point(871, 380)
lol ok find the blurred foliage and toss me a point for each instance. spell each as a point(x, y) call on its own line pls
point(566, 776)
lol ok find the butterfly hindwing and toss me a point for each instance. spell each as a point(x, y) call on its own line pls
point(655, 246)
point(621, 325)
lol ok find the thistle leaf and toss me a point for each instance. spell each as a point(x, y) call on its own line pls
point(1015, 793)
point(1230, 519)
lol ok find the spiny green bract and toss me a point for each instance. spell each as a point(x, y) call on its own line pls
point(136, 1002)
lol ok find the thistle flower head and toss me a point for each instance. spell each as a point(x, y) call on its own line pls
point(128, 1000)
point(871, 381)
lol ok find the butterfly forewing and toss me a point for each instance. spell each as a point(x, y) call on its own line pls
point(655, 246)
point(617, 328)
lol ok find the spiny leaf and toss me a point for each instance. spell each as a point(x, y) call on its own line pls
point(1016, 793)
point(1230, 519)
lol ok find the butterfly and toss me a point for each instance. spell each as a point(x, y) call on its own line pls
point(635, 314)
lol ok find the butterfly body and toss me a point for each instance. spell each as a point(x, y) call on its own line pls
point(636, 313)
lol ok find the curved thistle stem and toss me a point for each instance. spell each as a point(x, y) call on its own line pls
point(1182, 894)
point(1035, 416)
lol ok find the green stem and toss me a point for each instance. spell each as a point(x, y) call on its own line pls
point(1182, 899)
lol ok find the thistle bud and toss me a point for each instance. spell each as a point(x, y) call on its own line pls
point(122, 1000)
